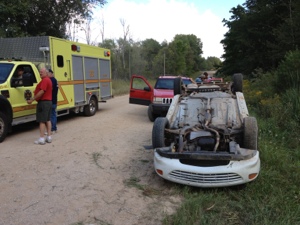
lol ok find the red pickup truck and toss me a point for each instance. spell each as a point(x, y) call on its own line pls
point(157, 98)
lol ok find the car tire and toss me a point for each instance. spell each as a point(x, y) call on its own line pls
point(91, 108)
point(159, 137)
point(250, 133)
point(237, 83)
point(3, 126)
point(151, 115)
point(178, 86)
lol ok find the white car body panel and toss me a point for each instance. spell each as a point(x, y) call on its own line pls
point(235, 173)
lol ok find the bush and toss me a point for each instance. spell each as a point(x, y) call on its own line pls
point(280, 110)
point(288, 72)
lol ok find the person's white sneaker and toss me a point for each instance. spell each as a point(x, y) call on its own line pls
point(48, 139)
point(40, 142)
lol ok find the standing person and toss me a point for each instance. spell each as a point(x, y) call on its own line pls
point(54, 102)
point(43, 95)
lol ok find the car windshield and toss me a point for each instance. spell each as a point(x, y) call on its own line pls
point(186, 81)
point(164, 84)
point(5, 70)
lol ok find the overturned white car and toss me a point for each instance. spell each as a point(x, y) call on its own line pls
point(207, 138)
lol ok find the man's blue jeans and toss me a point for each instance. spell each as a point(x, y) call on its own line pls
point(53, 118)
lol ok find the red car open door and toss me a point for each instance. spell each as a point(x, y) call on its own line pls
point(141, 92)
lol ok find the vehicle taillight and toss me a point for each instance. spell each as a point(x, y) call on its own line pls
point(75, 48)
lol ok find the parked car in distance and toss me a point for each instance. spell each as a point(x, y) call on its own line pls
point(207, 138)
point(157, 98)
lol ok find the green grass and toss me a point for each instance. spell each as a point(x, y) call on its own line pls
point(120, 87)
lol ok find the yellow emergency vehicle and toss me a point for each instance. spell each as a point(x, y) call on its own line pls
point(83, 73)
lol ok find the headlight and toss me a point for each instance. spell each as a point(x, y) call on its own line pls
point(157, 100)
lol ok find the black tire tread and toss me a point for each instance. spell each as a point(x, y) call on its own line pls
point(87, 108)
point(178, 86)
point(158, 132)
point(3, 127)
point(250, 138)
point(237, 82)
point(151, 115)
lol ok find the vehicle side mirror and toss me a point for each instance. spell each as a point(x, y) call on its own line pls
point(147, 88)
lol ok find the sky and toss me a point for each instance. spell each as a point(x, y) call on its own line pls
point(161, 20)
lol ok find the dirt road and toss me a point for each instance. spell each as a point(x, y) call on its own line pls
point(97, 170)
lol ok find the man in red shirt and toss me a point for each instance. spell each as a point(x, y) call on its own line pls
point(43, 95)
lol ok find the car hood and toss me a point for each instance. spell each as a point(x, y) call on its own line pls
point(163, 93)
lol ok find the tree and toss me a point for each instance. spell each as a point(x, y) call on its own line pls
point(102, 28)
point(150, 49)
point(123, 43)
point(138, 64)
point(159, 62)
point(87, 31)
point(184, 54)
point(260, 33)
point(13, 21)
point(115, 56)
point(42, 17)
point(211, 63)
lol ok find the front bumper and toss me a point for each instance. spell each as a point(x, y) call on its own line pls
point(235, 172)
point(161, 109)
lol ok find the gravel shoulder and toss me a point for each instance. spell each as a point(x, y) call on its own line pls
point(97, 170)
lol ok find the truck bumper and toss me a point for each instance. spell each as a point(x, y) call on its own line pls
point(160, 109)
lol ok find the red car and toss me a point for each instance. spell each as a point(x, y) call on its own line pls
point(214, 79)
point(157, 98)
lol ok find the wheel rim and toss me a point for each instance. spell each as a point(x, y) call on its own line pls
point(92, 106)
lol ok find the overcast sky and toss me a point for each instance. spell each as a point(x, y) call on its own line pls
point(163, 19)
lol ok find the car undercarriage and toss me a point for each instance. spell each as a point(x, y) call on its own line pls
point(207, 125)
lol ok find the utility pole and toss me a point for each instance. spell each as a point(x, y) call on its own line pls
point(164, 63)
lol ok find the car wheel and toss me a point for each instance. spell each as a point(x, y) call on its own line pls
point(159, 137)
point(91, 108)
point(237, 83)
point(250, 133)
point(178, 86)
point(3, 126)
point(151, 115)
